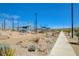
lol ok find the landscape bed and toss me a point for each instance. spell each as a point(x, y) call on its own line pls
point(29, 44)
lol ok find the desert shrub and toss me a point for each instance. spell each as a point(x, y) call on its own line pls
point(5, 50)
point(77, 34)
point(41, 31)
point(37, 40)
point(77, 30)
point(32, 48)
point(67, 30)
point(19, 42)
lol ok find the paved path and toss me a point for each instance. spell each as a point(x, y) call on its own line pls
point(62, 47)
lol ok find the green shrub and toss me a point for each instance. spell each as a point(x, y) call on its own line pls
point(5, 50)
point(67, 30)
point(32, 48)
point(77, 29)
point(77, 34)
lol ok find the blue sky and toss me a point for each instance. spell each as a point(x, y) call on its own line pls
point(52, 15)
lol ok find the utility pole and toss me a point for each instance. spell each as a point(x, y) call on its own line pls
point(18, 26)
point(3, 26)
point(72, 17)
point(12, 24)
point(35, 22)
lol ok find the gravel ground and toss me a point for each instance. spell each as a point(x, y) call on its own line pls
point(28, 44)
point(74, 40)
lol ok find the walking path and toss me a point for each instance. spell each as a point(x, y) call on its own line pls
point(62, 47)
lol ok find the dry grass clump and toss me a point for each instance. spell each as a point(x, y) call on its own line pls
point(6, 50)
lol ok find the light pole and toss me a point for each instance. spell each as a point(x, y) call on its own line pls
point(35, 22)
point(12, 24)
point(72, 18)
point(4, 24)
point(18, 26)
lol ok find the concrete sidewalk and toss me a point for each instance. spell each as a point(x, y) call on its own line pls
point(62, 47)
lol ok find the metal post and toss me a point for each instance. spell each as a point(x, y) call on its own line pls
point(3, 24)
point(35, 22)
point(12, 24)
point(72, 17)
point(18, 26)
